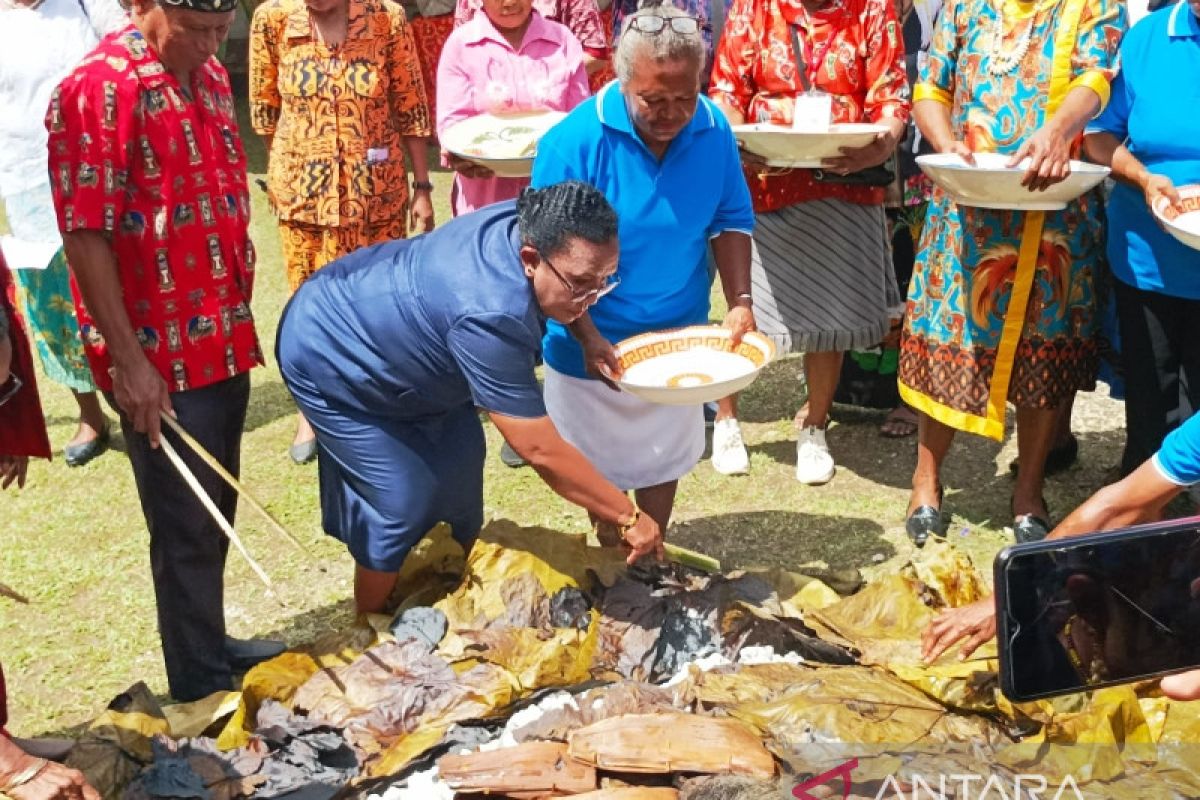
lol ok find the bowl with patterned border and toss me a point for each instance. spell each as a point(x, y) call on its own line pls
point(691, 366)
point(1182, 219)
point(504, 143)
point(991, 183)
point(783, 147)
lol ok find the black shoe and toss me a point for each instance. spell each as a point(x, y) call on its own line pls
point(246, 653)
point(76, 455)
point(1029, 528)
point(1059, 459)
point(510, 457)
point(304, 452)
point(925, 521)
point(710, 415)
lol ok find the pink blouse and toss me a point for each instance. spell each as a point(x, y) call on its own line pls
point(479, 72)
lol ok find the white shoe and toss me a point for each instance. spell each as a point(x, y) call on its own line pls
point(814, 465)
point(729, 456)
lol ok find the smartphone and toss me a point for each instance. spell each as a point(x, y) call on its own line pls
point(1077, 614)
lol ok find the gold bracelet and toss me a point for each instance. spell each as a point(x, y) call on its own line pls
point(24, 776)
point(625, 527)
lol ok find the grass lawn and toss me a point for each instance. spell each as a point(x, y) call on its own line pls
point(75, 543)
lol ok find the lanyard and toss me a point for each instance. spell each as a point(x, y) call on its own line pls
point(809, 58)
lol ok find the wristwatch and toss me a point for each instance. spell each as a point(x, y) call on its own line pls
point(422, 186)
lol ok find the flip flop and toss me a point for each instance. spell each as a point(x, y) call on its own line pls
point(900, 423)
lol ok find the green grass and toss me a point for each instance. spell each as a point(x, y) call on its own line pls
point(74, 540)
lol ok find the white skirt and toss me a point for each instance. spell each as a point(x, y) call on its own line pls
point(635, 444)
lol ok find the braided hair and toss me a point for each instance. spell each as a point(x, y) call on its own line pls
point(549, 218)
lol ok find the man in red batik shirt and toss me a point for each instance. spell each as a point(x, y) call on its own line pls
point(149, 182)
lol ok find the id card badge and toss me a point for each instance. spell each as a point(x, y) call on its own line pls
point(813, 111)
point(377, 155)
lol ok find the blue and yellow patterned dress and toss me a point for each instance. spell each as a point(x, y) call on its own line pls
point(1001, 306)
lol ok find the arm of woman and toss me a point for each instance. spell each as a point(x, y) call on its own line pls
point(456, 102)
point(571, 476)
point(410, 111)
point(1104, 148)
point(1093, 67)
point(933, 94)
point(887, 101)
point(732, 84)
point(265, 99)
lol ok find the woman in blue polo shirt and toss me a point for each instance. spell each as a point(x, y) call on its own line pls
point(667, 161)
point(1150, 135)
point(390, 350)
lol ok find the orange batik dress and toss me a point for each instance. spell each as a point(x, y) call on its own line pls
point(336, 119)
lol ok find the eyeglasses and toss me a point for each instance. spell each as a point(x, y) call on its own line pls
point(9, 391)
point(588, 296)
point(655, 24)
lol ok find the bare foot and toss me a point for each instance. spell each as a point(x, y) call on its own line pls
point(304, 431)
point(901, 421)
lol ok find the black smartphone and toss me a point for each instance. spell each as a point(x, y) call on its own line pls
point(1089, 611)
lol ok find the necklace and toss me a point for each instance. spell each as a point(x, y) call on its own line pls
point(1001, 63)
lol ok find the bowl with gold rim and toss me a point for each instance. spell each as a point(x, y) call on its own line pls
point(1182, 219)
point(504, 143)
point(782, 146)
point(691, 366)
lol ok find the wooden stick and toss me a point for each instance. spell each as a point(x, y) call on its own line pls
point(11, 593)
point(690, 558)
point(216, 514)
point(218, 468)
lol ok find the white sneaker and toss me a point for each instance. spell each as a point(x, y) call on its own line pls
point(729, 456)
point(814, 465)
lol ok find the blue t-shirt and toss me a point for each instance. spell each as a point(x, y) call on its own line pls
point(413, 328)
point(1178, 460)
point(667, 211)
point(1156, 105)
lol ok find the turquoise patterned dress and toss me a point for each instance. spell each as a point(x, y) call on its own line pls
point(990, 322)
point(44, 295)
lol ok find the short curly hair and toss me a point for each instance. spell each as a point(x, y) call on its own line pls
point(550, 218)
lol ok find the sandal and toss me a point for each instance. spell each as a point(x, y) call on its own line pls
point(1030, 527)
point(926, 521)
point(900, 422)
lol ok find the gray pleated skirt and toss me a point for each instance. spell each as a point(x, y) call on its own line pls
point(822, 276)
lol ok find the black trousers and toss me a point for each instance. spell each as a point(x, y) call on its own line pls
point(1160, 351)
point(187, 547)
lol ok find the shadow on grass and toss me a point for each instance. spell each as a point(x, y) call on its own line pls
point(268, 402)
point(787, 539)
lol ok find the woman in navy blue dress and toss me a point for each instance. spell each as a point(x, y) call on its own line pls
point(390, 350)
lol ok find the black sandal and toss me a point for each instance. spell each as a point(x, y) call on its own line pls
point(926, 521)
point(1030, 527)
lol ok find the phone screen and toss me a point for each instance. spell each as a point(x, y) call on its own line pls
point(1080, 613)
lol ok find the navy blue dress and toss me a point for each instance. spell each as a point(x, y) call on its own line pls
point(388, 353)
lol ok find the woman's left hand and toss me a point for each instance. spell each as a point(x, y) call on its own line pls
point(873, 154)
point(1049, 154)
point(420, 218)
point(740, 320)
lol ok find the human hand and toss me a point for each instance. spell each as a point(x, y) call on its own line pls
point(872, 154)
point(468, 169)
point(142, 394)
point(1156, 186)
point(643, 539)
point(961, 150)
point(420, 218)
point(600, 360)
point(12, 468)
point(740, 320)
point(751, 159)
point(1049, 154)
point(1182, 686)
point(975, 622)
point(52, 782)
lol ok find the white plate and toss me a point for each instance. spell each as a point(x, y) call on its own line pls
point(1183, 219)
point(783, 147)
point(504, 143)
point(990, 183)
point(690, 366)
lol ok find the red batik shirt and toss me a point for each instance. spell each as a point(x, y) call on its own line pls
point(161, 172)
point(852, 49)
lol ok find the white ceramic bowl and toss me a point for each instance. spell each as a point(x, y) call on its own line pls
point(504, 143)
point(992, 184)
point(690, 366)
point(783, 147)
point(1182, 220)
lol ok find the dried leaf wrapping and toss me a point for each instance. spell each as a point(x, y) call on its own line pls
point(530, 767)
point(118, 742)
point(277, 679)
point(664, 742)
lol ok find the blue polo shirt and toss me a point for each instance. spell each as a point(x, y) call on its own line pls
point(1178, 460)
point(667, 211)
point(1155, 105)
